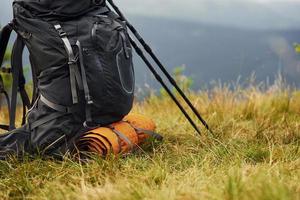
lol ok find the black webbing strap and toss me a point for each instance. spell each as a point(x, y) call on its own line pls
point(35, 92)
point(88, 99)
point(24, 95)
point(2, 91)
point(4, 127)
point(4, 38)
point(16, 64)
point(18, 82)
point(72, 61)
point(21, 86)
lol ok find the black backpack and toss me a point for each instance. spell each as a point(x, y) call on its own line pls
point(82, 70)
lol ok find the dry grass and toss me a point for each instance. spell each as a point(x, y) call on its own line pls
point(253, 155)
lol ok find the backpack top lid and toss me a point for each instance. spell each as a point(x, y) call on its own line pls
point(59, 7)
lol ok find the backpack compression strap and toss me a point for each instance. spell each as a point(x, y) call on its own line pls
point(72, 62)
point(88, 99)
point(75, 77)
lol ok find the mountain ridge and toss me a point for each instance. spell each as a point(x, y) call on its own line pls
point(218, 52)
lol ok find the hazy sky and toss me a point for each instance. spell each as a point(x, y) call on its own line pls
point(256, 13)
point(252, 13)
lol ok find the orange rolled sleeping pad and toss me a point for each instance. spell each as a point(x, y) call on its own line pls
point(120, 137)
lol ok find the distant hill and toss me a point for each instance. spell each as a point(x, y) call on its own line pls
point(225, 53)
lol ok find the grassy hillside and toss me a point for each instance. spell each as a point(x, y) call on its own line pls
point(254, 154)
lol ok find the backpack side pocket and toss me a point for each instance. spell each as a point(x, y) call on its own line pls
point(110, 37)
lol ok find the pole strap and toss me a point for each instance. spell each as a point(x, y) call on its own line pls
point(35, 90)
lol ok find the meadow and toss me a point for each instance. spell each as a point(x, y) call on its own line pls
point(254, 153)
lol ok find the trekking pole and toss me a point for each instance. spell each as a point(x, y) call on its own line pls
point(160, 80)
point(160, 65)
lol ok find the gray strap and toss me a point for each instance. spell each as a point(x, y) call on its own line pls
point(46, 119)
point(54, 106)
point(72, 61)
point(59, 108)
point(88, 99)
point(150, 133)
point(33, 106)
point(54, 143)
point(122, 136)
point(68, 46)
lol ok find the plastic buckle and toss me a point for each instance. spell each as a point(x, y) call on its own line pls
point(89, 100)
point(62, 33)
point(73, 61)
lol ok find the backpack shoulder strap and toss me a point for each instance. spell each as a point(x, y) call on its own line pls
point(17, 73)
point(2, 91)
point(5, 33)
point(4, 38)
point(18, 82)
